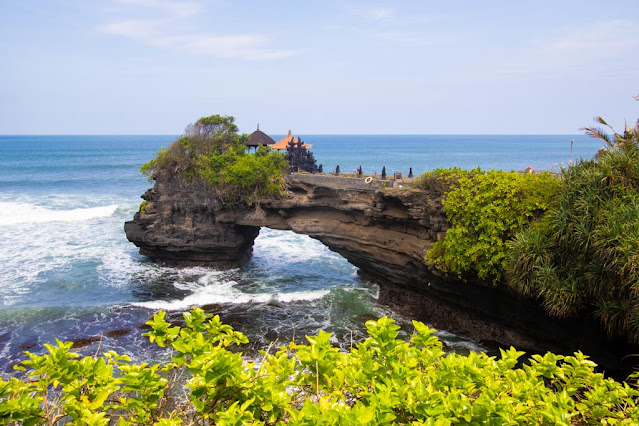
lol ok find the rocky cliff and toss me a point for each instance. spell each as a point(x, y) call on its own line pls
point(383, 231)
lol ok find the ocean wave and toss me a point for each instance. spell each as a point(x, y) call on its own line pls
point(12, 213)
point(208, 290)
point(276, 249)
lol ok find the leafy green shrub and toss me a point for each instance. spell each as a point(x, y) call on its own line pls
point(441, 180)
point(485, 210)
point(242, 177)
point(382, 380)
point(211, 150)
point(585, 252)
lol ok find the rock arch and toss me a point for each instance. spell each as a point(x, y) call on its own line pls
point(383, 231)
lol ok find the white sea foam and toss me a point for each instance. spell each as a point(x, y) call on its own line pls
point(289, 247)
point(12, 213)
point(40, 244)
point(211, 289)
point(280, 252)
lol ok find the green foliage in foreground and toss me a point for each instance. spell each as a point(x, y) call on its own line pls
point(211, 150)
point(383, 380)
point(585, 252)
point(485, 210)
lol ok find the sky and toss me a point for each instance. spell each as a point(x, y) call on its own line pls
point(323, 67)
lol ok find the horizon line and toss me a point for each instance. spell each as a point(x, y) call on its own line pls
point(305, 134)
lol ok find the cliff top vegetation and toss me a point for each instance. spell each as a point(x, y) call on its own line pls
point(212, 151)
point(571, 243)
point(485, 209)
point(584, 253)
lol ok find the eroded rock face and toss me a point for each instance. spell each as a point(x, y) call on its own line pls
point(181, 226)
point(384, 231)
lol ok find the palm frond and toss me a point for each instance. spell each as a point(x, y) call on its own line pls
point(600, 120)
point(598, 133)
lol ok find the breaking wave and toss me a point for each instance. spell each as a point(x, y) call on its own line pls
point(12, 213)
point(210, 290)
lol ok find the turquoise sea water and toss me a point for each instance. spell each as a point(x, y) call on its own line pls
point(67, 270)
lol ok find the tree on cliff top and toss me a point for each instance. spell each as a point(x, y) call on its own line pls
point(212, 151)
point(213, 133)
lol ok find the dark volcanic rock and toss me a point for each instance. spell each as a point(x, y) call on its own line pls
point(85, 341)
point(385, 232)
point(186, 225)
point(381, 230)
point(25, 346)
point(114, 334)
point(495, 316)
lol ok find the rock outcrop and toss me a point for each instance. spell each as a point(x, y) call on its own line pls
point(182, 226)
point(383, 231)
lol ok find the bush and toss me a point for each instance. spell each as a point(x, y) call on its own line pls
point(382, 380)
point(441, 180)
point(211, 150)
point(585, 252)
point(242, 177)
point(485, 210)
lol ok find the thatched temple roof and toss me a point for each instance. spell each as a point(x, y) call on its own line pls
point(258, 137)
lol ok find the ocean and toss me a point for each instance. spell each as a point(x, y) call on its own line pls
point(68, 271)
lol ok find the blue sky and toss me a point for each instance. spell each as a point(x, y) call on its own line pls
point(421, 67)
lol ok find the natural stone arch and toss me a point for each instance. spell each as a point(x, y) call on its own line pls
point(382, 231)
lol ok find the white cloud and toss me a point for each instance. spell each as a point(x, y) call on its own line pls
point(137, 29)
point(173, 8)
point(585, 49)
point(379, 13)
point(167, 32)
point(367, 13)
point(157, 33)
point(411, 38)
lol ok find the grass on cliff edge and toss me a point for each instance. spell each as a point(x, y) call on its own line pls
point(382, 380)
point(213, 152)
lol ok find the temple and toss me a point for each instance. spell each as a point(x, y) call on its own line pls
point(258, 138)
point(286, 140)
point(300, 159)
